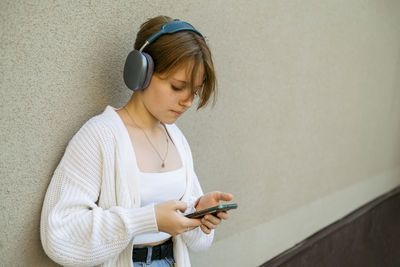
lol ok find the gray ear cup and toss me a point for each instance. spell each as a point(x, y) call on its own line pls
point(135, 70)
point(150, 70)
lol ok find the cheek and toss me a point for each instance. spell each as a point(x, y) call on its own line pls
point(158, 99)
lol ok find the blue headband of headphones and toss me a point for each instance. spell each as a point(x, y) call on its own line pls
point(168, 28)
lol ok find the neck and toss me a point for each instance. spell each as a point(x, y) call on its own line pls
point(139, 113)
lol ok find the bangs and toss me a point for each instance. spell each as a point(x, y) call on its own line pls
point(193, 71)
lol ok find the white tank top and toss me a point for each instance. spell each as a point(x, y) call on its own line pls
point(157, 188)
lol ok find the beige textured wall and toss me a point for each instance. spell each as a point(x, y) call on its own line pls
point(306, 127)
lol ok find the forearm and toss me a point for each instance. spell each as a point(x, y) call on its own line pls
point(76, 232)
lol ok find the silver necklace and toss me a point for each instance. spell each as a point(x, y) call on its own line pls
point(148, 139)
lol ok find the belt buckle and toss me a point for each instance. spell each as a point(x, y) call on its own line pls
point(141, 254)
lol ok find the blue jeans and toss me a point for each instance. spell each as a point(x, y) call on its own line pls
point(166, 262)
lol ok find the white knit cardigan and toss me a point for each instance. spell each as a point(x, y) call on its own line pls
point(91, 212)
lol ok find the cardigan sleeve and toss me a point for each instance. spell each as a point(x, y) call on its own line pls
point(74, 230)
point(196, 239)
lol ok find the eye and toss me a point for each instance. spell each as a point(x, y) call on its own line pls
point(176, 88)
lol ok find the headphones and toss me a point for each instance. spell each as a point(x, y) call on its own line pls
point(139, 66)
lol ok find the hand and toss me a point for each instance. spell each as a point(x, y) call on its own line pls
point(169, 221)
point(209, 200)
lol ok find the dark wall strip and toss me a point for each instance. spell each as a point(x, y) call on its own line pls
point(369, 236)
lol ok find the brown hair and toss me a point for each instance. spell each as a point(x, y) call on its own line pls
point(172, 51)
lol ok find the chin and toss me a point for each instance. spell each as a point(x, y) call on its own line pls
point(169, 121)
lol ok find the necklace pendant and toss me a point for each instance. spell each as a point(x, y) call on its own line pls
point(162, 165)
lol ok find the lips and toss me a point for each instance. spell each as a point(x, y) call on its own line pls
point(178, 113)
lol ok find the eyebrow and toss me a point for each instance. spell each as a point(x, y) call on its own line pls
point(178, 80)
point(185, 82)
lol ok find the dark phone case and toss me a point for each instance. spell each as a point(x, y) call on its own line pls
point(212, 210)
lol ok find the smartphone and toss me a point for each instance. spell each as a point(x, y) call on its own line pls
point(212, 211)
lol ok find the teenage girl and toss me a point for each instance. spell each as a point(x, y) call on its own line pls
point(120, 192)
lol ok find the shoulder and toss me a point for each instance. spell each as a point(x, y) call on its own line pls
point(98, 129)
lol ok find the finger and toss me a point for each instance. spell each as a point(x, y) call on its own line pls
point(209, 224)
point(225, 196)
point(180, 205)
point(223, 215)
point(213, 219)
point(205, 229)
point(193, 223)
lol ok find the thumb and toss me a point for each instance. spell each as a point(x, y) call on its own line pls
point(180, 205)
point(225, 196)
point(193, 222)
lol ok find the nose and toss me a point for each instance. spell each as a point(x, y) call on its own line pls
point(187, 99)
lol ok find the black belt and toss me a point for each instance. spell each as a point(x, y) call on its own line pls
point(158, 252)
